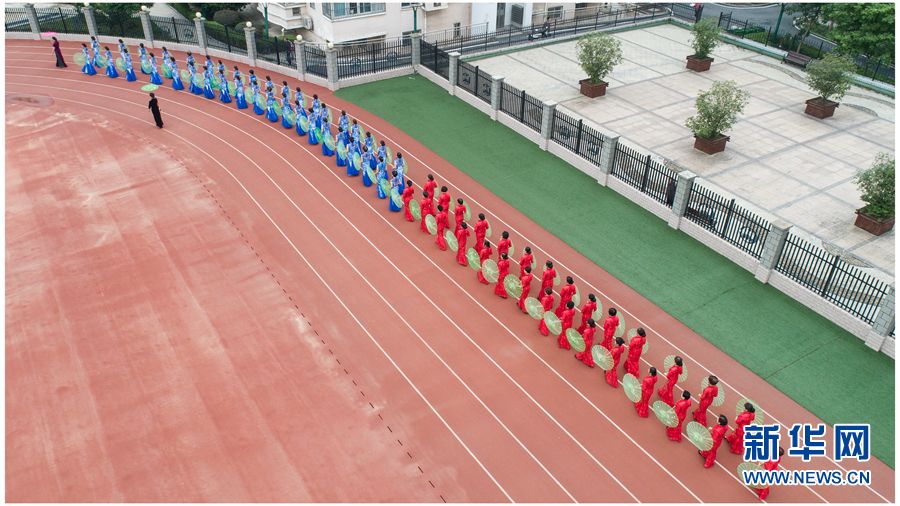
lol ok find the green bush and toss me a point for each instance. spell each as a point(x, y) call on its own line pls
point(830, 76)
point(598, 54)
point(706, 37)
point(227, 17)
point(877, 186)
point(717, 109)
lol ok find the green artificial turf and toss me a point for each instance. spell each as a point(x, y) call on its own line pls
point(813, 361)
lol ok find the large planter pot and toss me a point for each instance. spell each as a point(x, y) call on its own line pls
point(698, 65)
point(711, 146)
point(591, 90)
point(873, 225)
point(821, 108)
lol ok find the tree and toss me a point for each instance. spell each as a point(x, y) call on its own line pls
point(705, 37)
point(598, 54)
point(118, 12)
point(863, 28)
point(209, 10)
point(809, 17)
point(830, 76)
point(717, 109)
point(877, 186)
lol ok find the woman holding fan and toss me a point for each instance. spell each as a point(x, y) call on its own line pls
point(207, 83)
point(271, 115)
point(154, 72)
point(239, 97)
point(286, 111)
point(110, 64)
point(88, 66)
point(143, 52)
point(129, 67)
point(254, 87)
point(176, 76)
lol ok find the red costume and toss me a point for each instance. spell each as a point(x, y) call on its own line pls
point(665, 393)
point(586, 312)
point(586, 356)
point(643, 406)
point(706, 398)
point(462, 235)
point(430, 186)
point(526, 260)
point(480, 230)
point(567, 316)
point(612, 375)
point(441, 225)
point(407, 197)
point(718, 433)
point(526, 287)
point(547, 279)
point(458, 213)
point(484, 254)
point(444, 200)
point(426, 204)
point(503, 246)
point(565, 295)
point(609, 331)
point(768, 466)
point(504, 270)
point(681, 408)
point(635, 348)
point(547, 304)
point(736, 438)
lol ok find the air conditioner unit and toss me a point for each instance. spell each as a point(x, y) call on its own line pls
point(306, 22)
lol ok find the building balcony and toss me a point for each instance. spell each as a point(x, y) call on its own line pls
point(341, 11)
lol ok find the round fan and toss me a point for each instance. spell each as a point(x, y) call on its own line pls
point(750, 467)
point(357, 161)
point(385, 186)
point(556, 280)
point(232, 88)
point(534, 308)
point(699, 435)
point(290, 117)
point(670, 361)
point(575, 340)
point(597, 314)
point(319, 135)
point(145, 66)
point(415, 209)
point(198, 80)
point(304, 123)
point(452, 243)
point(79, 60)
point(342, 152)
point(215, 82)
point(665, 413)
point(370, 174)
point(102, 63)
point(552, 322)
point(740, 409)
point(512, 249)
point(632, 387)
point(330, 116)
point(487, 233)
point(396, 198)
point(467, 215)
point(120, 64)
point(513, 286)
point(149, 87)
point(431, 225)
point(489, 269)
point(720, 396)
point(185, 75)
point(602, 357)
point(474, 259)
point(277, 107)
point(620, 330)
point(329, 142)
point(576, 297)
point(260, 100)
point(389, 157)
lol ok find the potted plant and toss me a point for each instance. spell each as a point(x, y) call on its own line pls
point(877, 186)
point(829, 77)
point(717, 111)
point(597, 54)
point(706, 38)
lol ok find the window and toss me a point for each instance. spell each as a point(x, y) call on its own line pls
point(312, 5)
point(295, 11)
point(405, 5)
point(555, 12)
point(437, 5)
point(581, 6)
point(346, 10)
point(457, 31)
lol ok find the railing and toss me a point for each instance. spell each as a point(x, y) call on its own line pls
point(336, 11)
point(645, 174)
point(275, 50)
point(435, 59)
point(226, 39)
point(118, 25)
point(564, 128)
point(315, 61)
point(832, 278)
point(179, 31)
point(61, 20)
point(362, 59)
point(442, 36)
point(728, 220)
point(16, 20)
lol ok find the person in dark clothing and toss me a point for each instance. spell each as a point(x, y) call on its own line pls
point(546, 29)
point(59, 57)
point(154, 108)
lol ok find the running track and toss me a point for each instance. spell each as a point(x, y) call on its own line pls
point(369, 358)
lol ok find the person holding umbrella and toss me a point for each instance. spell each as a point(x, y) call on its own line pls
point(154, 108)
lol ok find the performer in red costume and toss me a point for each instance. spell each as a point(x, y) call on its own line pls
point(481, 227)
point(547, 304)
point(706, 398)
point(589, 307)
point(425, 204)
point(736, 438)
point(459, 213)
point(718, 433)
point(430, 185)
point(770, 466)
point(407, 197)
point(441, 225)
point(643, 406)
point(665, 393)
point(483, 255)
point(609, 329)
point(585, 356)
point(612, 375)
point(462, 236)
point(565, 295)
point(525, 279)
point(635, 348)
point(444, 199)
point(526, 260)
point(547, 278)
point(503, 246)
point(568, 314)
point(503, 265)
point(681, 408)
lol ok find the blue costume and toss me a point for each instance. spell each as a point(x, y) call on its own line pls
point(352, 169)
point(190, 60)
point(316, 103)
point(344, 122)
point(381, 174)
point(370, 144)
point(143, 59)
point(395, 183)
point(221, 68)
point(95, 46)
point(256, 108)
point(207, 85)
point(154, 72)
point(354, 131)
point(338, 142)
point(366, 160)
point(224, 96)
point(286, 108)
point(398, 166)
point(239, 91)
point(313, 128)
point(129, 68)
point(196, 90)
point(88, 66)
point(270, 107)
point(167, 63)
point(176, 77)
point(110, 65)
point(285, 90)
point(300, 113)
point(122, 49)
point(326, 133)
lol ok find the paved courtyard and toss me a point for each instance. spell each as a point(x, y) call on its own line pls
point(780, 162)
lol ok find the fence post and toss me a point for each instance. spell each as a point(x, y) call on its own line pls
point(768, 32)
point(31, 14)
point(547, 123)
point(884, 321)
point(496, 94)
point(475, 88)
point(578, 136)
point(772, 249)
point(147, 25)
point(415, 41)
point(682, 197)
point(522, 110)
point(250, 37)
point(300, 48)
point(820, 49)
point(331, 68)
point(175, 30)
point(607, 158)
point(453, 71)
point(90, 20)
point(827, 285)
point(727, 219)
point(200, 28)
point(646, 174)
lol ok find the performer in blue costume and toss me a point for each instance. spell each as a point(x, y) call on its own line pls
point(352, 150)
point(286, 90)
point(300, 114)
point(88, 65)
point(239, 97)
point(165, 58)
point(338, 143)
point(344, 121)
point(196, 90)
point(221, 67)
point(370, 144)
point(122, 48)
point(313, 118)
point(366, 162)
point(299, 96)
point(382, 151)
point(269, 84)
point(110, 64)
point(190, 60)
point(381, 174)
point(95, 46)
point(326, 132)
point(270, 106)
point(207, 85)
point(129, 67)
point(256, 93)
point(354, 131)
point(396, 182)
point(154, 72)
point(286, 109)
point(143, 53)
point(253, 78)
point(400, 167)
point(224, 96)
point(315, 102)
point(176, 75)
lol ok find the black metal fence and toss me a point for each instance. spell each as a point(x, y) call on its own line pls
point(728, 220)
point(275, 50)
point(61, 20)
point(435, 59)
point(315, 61)
point(16, 20)
point(363, 59)
point(645, 174)
point(226, 39)
point(119, 26)
point(564, 128)
point(179, 31)
point(832, 278)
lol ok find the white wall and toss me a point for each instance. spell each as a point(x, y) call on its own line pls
point(485, 13)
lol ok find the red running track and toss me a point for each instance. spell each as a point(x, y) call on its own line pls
point(216, 312)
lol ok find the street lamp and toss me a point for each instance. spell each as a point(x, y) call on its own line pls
point(415, 8)
point(199, 15)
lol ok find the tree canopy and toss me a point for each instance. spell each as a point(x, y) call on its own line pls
point(862, 28)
